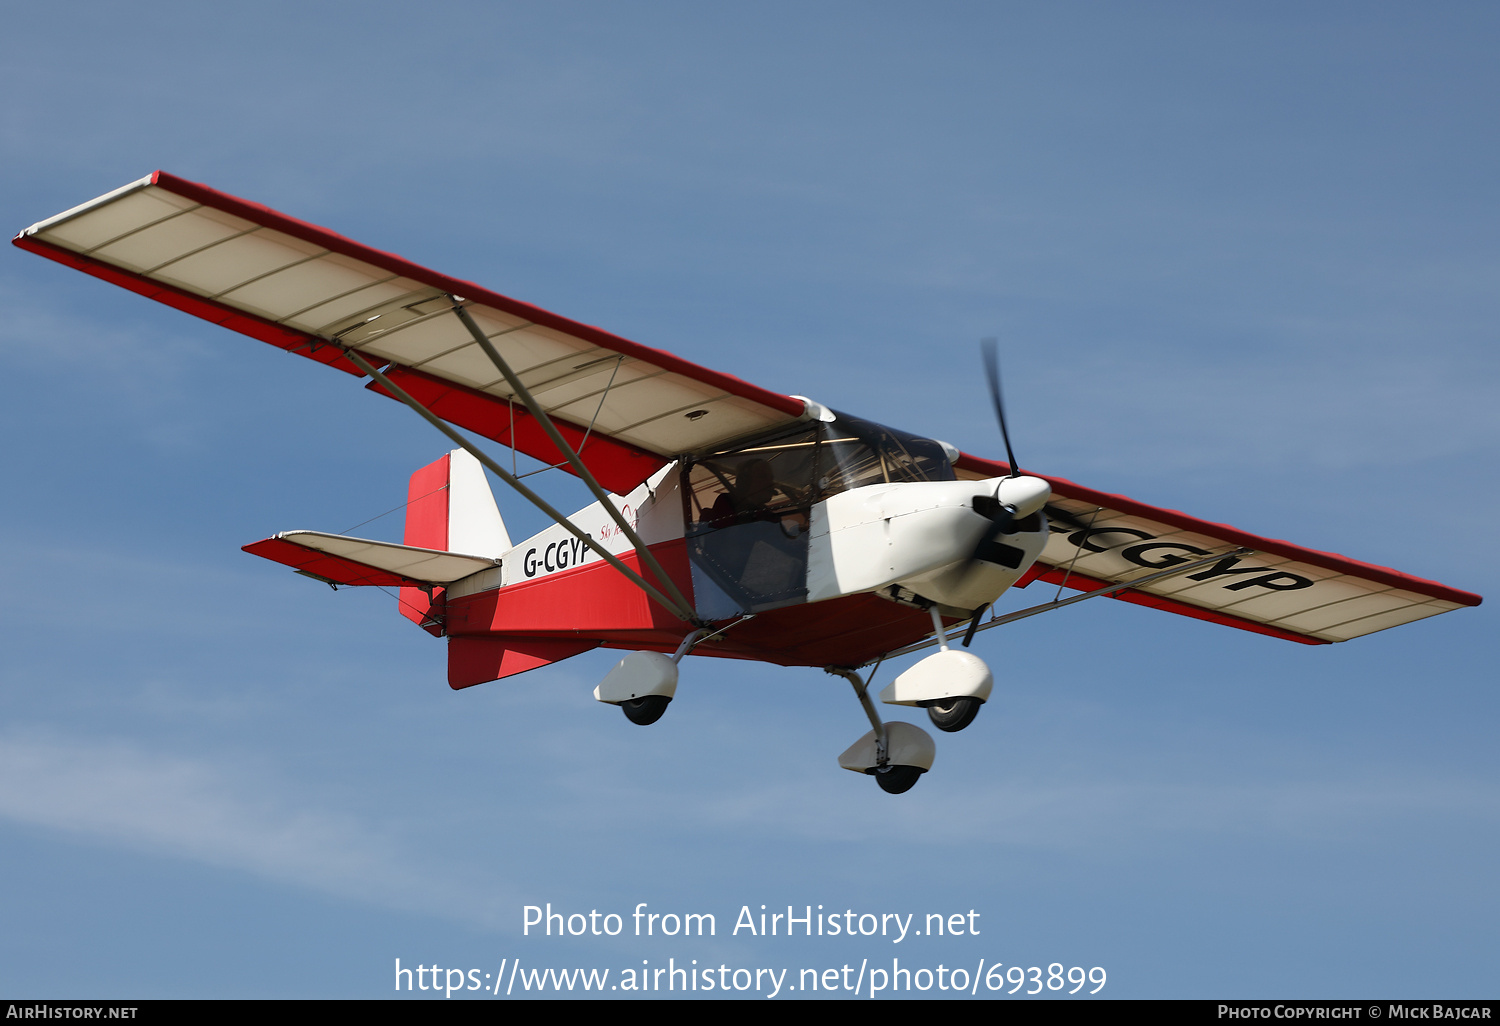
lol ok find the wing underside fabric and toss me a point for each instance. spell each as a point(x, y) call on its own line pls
point(1279, 589)
point(311, 291)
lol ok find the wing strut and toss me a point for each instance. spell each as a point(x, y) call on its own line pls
point(583, 472)
point(679, 609)
point(967, 633)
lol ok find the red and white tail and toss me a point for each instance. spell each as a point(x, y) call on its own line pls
point(449, 506)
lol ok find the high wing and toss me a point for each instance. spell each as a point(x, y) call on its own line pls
point(626, 409)
point(630, 409)
point(1279, 589)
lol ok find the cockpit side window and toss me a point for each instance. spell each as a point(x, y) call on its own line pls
point(749, 508)
point(767, 479)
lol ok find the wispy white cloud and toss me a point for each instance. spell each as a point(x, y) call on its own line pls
point(117, 794)
point(1082, 815)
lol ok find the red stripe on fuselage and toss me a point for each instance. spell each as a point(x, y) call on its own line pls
point(596, 602)
point(582, 601)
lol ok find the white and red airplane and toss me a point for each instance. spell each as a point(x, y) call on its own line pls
point(729, 520)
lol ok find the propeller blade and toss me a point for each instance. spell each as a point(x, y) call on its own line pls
point(974, 624)
point(988, 347)
point(1001, 522)
point(1001, 518)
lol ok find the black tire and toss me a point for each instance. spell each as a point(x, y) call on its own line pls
point(896, 779)
point(645, 711)
point(953, 714)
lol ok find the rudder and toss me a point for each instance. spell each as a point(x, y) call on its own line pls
point(449, 506)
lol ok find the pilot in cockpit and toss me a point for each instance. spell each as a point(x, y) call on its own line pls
point(749, 500)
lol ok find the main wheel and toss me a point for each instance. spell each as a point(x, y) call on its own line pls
point(896, 779)
point(953, 714)
point(645, 710)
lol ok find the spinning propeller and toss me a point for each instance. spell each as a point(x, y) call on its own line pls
point(1004, 509)
point(988, 348)
point(1018, 497)
point(1003, 517)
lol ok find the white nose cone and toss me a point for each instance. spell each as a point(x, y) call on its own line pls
point(1024, 494)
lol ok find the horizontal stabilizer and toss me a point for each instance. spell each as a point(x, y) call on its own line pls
point(339, 559)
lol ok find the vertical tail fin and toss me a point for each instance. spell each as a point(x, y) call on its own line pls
point(449, 506)
point(474, 523)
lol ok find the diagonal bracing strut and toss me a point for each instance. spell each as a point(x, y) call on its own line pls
point(583, 472)
point(681, 610)
point(1021, 614)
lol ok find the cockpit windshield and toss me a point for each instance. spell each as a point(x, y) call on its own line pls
point(781, 476)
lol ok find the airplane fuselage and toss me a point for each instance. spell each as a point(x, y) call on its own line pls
point(853, 584)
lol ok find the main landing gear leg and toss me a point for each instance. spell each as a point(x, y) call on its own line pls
point(896, 754)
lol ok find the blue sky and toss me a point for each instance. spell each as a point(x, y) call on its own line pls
point(1242, 259)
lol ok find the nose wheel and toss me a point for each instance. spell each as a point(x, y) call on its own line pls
point(953, 714)
point(951, 684)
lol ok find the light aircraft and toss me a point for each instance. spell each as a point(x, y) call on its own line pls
point(728, 520)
